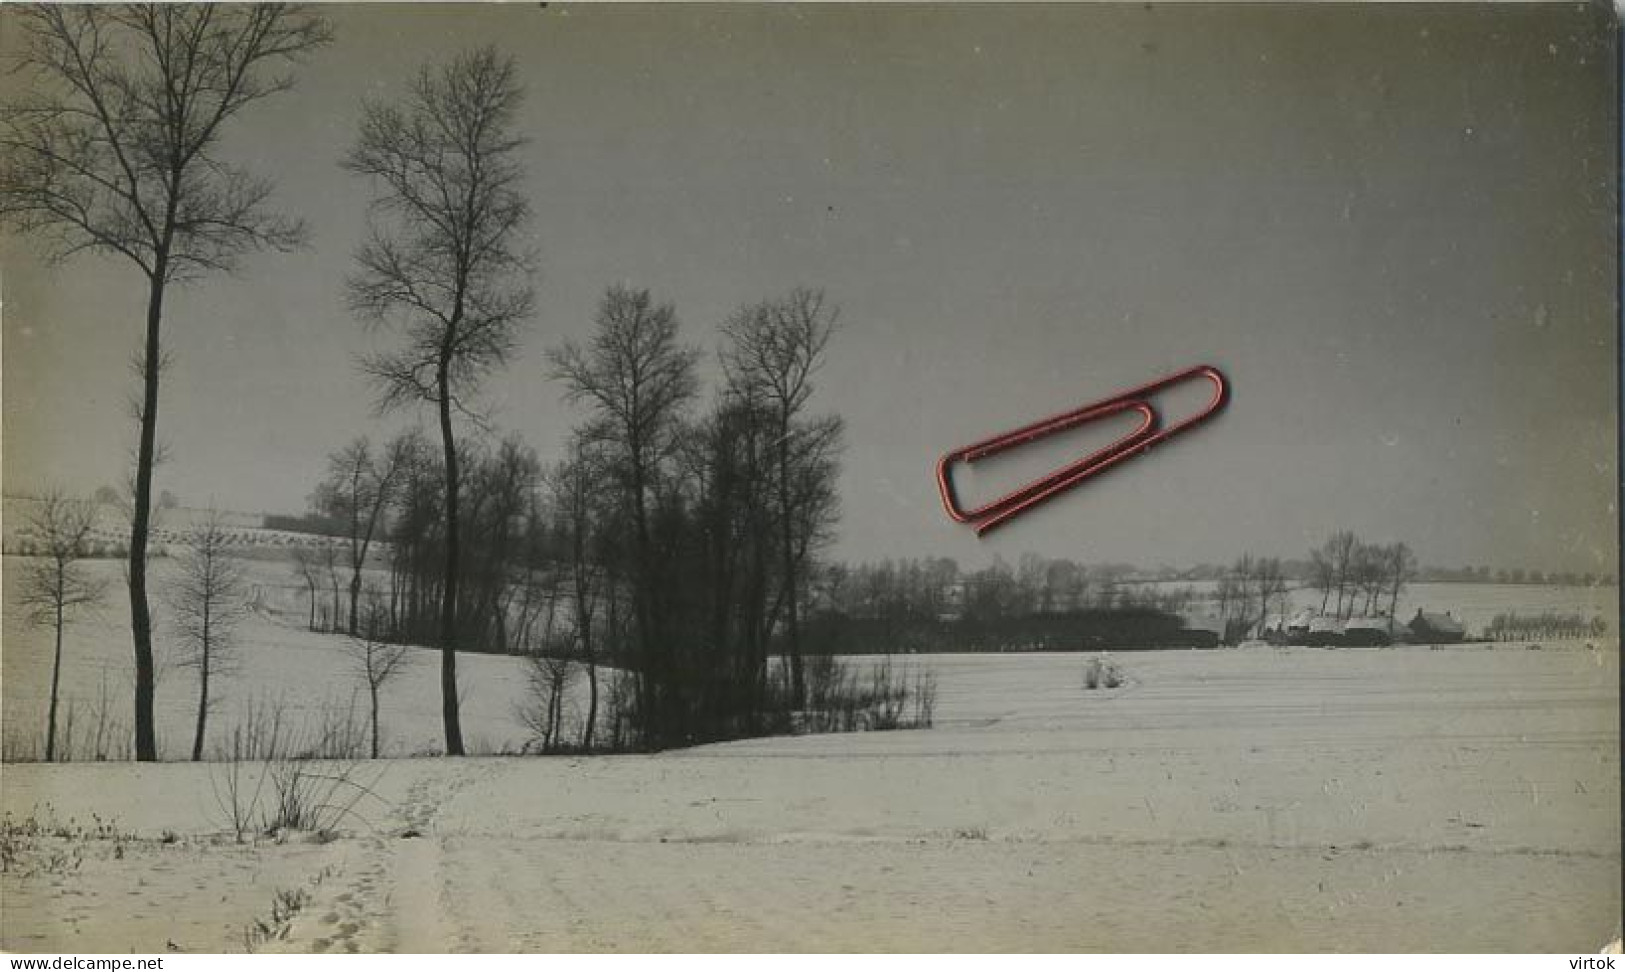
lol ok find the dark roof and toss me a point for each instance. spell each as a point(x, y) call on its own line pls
point(1438, 622)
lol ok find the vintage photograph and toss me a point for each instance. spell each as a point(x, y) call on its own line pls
point(1115, 477)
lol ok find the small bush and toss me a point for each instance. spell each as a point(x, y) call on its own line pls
point(839, 701)
point(284, 905)
point(546, 710)
point(43, 844)
point(312, 784)
point(1101, 672)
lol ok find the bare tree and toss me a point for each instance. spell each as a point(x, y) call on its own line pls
point(573, 493)
point(1239, 596)
point(305, 565)
point(1399, 569)
point(1272, 589)
point(548, 677)
point(1322, 576)
point(356, 492)
point(498, 488)
point(328, 560)
point(208, 599)
point(113, 147)
point(775, 348)
point(637, 379)
point(374, 659)
point(416, 537)
point(56, 585)
point(441, 264)
point(814, 467)
point(1339, 553)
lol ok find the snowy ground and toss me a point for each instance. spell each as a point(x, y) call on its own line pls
point(275, 664)
point(1399, 799)
point(278, 664)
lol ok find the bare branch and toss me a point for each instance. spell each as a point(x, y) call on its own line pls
point(441, 264)
point(111, 147)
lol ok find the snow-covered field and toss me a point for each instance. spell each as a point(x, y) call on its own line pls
point(1397, 799)
point(171, 529)
point(312, 680)
point(277, 664)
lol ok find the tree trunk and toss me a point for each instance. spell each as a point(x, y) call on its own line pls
point(394, 601)
point(448, 592)
point(56, 677)
point(592, 704)
point(651, 672)
point(589, 655)
point(372, 689)
point(202, 703)
point(355, 597)
point(146, 738)
point(792, 619)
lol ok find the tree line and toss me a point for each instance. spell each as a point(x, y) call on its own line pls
point(1359, 578)
point(685, 536)
point(675, 541)
point(112, 146)
point(1548, 624)
point(937, 587)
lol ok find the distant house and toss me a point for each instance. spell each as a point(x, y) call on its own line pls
point(1436, 629)
point(1324, 631)
point(1367, 632)
point(1202, 630)
point(1296, 628)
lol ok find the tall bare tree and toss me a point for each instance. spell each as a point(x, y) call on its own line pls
point(442, 265)
point(113, 147)
point(774, 350)
point(56, 585)
point(209, 598)
point(637, 379)
point(356, 492)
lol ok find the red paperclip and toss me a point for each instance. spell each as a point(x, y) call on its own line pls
point(1001, 510)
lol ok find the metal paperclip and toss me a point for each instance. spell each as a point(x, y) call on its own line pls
point(1001, 510)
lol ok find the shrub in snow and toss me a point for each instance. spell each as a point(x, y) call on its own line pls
point(1101, 672)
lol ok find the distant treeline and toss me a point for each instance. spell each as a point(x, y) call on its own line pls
point(90, 550)
point(1515, 575)
point(1091, 629)
point(1301, 571)
point(936, 587)
point(1549, 624)
point(315, 524)
point(1039, 604)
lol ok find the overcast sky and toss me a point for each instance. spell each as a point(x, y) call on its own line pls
point(1392, 227)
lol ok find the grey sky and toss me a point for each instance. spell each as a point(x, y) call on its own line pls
point(1391, 227)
